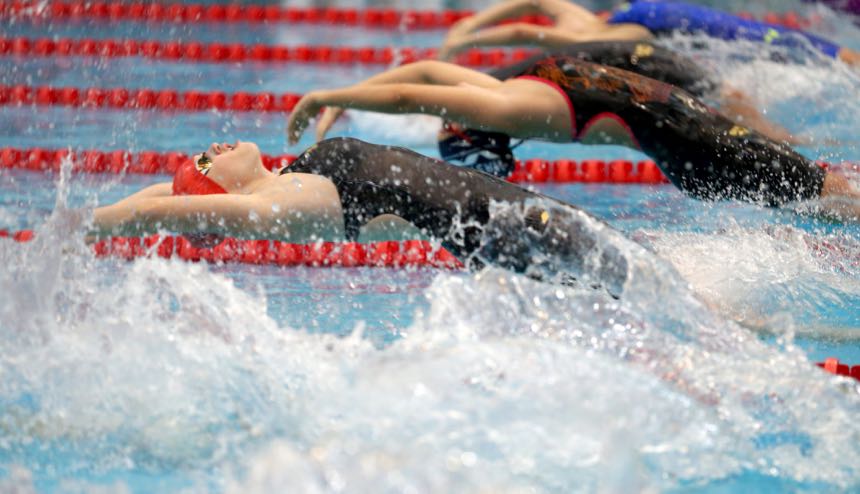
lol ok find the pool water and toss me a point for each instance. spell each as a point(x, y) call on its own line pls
point(163, 376)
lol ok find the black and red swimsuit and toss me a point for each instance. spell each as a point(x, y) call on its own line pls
point(702, 152)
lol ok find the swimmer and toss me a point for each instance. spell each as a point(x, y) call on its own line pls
point(345, 188)
point(637, 20)
point(651, 60)
point(560, 99)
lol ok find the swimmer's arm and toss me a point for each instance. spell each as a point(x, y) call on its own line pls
point(739, 107)
point(460, 35)
point(519, 34)
point(515, 8)
point(616, 32)
point(432, 72)
point(522, 115)
point(157, 190)
point(429, 72)
point(226, 214)
point(548, 38)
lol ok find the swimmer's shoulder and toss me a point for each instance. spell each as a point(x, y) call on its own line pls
point(287, 178)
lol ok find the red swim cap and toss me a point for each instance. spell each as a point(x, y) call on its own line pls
point(188, 181)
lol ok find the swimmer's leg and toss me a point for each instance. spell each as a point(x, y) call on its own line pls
point(839, 198)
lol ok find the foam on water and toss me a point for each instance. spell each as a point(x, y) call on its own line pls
point(760, 275)
point(806, 92)
point(508, 384)
point(502, 383)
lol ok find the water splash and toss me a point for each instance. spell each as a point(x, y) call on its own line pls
point(503, 382)
point(774, 271)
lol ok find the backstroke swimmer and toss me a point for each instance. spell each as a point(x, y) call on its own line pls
point(636, 20)
point(626, 46)
point(563, 99)
point(651, 60)
point(341, 188)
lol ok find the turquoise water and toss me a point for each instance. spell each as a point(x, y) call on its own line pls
point(164, 376)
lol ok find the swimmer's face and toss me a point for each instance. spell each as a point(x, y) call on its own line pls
point(229, 165)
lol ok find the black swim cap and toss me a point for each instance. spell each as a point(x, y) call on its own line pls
point(489, 152)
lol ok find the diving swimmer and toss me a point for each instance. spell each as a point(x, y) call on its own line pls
point(563, 99)
point(636, 20)
point(340, 188)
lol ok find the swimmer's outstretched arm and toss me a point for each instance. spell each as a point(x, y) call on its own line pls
point(429, 72)
point(226, 214)
point(520, 114)
point(157, 190)
point(554, 9)
point(571, 24)
point(548, 38)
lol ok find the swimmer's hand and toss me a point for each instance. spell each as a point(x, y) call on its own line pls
point(456, 38)
point(328, 118)
point(448, 50)
point(306, 109)
point(454, 44)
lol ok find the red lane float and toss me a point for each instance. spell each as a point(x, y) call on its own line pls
point(273, 252)
point(834, 366)
point(165, 99)
point(193, 51)
point(119, 161)
point(186, 13)
point(152, 162)
point(587, 171)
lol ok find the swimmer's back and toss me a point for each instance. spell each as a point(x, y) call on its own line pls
point(479, 218)
point(702, 152)
point(641, 57)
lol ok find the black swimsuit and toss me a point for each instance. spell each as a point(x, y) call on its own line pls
point(702, 152)
point(479, 218)
point(641, 57)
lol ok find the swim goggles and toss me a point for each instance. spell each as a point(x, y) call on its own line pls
point(203, 164)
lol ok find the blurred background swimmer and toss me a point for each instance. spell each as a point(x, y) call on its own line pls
point(651, 60)
point(636, 20)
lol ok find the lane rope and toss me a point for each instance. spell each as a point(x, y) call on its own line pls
point(195, 52)
point(835, 367)
point(235, 12)
point(145, 98)
point(166, 163)
point(271, 252)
